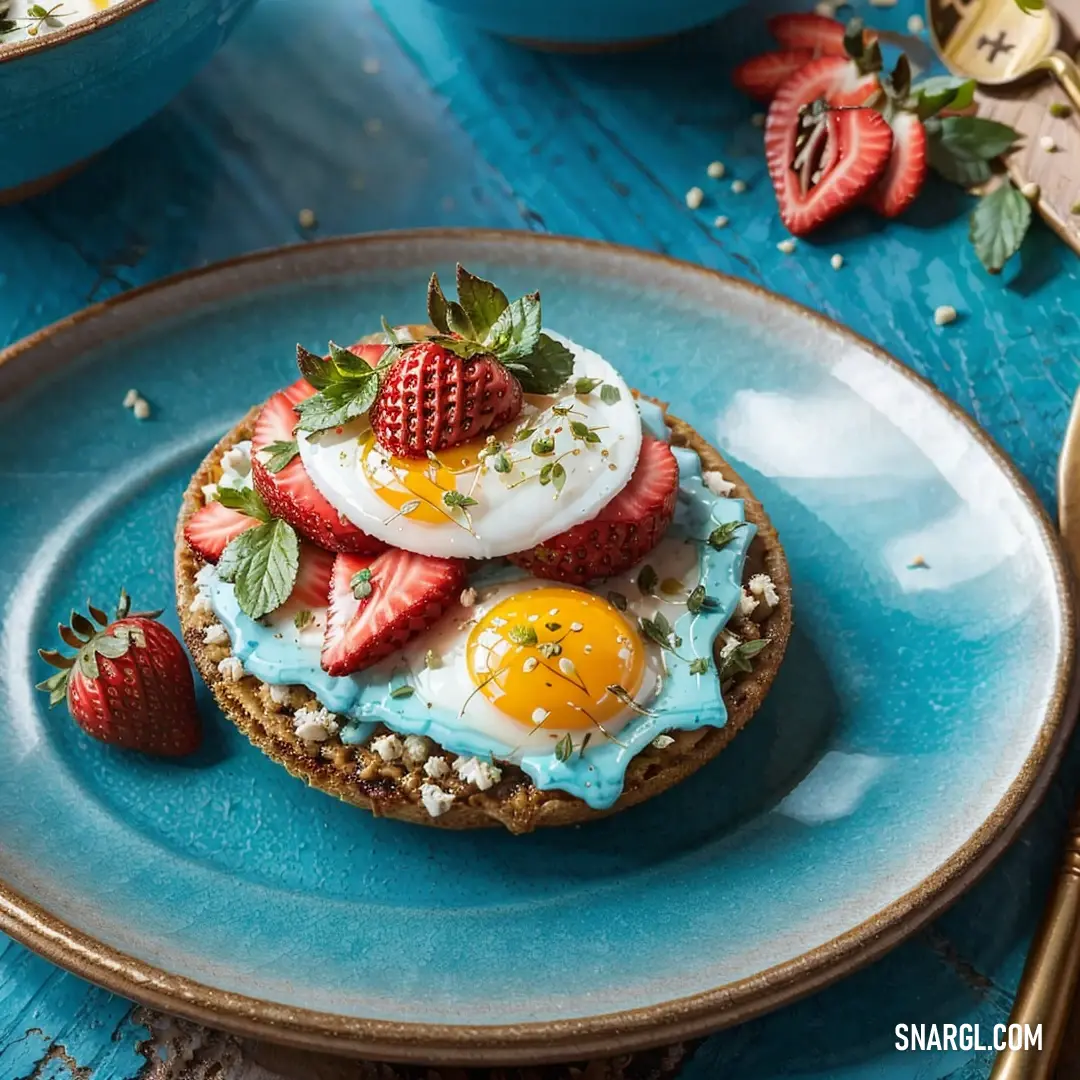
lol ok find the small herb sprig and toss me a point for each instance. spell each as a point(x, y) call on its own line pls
point(37, 16)
point(738, 659)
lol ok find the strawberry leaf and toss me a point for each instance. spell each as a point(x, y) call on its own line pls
point(348, 364)
point(481, 301)
point(436, 306)
point(932, 95)
point(515, 333)
point(262, 564)
point(999, 224)
point(338, 403)
point(546, 369)
point(245, 500)
point(315, 369)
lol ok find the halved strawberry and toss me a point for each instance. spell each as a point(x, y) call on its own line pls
point(210, 530)
point(817, 34)
point(906, 172)
point(761, 76)
point(312, 586)
point(432, 399)
point(289, 493)
point(406, 593)
point(623, 533)
point(822, 160)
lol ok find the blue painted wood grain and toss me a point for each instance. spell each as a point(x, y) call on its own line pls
point(461, 129)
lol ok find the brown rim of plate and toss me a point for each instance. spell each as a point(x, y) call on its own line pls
point(77, 29)
point(609, 1033)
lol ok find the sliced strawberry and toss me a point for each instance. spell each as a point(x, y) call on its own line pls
point(818, 34)
point(312, 587)
point(210, 530)
point(906, 172)
point(432, 399)
point(289, 494)
point(761, 76)
point(823, 163)
point(623, 533)
point(408, 593)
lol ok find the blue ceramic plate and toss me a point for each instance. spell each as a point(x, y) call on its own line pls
point(913, 725)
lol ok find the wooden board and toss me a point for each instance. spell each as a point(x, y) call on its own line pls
point(1026, 107)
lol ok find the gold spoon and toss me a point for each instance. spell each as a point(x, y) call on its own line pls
point(1045, 994)
point(995, 43)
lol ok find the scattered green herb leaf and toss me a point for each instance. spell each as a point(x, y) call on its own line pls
point(699, 665)
point(564, 747)
point(999, 224)
point(722, 535)
point(647, 579)
point(281, 453)
point(609, 394)
point(522, 634)
point(457, 499)
point(303, 619)
point(738, 659)
point(617, 600)
point(585, 385)
point(402, 692)
point(543, 444)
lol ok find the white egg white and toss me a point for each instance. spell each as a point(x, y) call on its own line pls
point(513, 510)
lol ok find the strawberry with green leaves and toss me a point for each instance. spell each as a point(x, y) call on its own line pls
point(129, 683)
point(464, 382)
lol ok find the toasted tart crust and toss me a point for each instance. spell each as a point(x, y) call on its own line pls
point(359, 776)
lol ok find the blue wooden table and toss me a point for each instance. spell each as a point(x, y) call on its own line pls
point(396, 117)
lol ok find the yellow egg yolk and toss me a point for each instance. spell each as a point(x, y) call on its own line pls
point(401, 481)
point(547, 658)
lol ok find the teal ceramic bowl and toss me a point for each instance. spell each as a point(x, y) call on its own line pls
point(97, 79)
point(591, 24)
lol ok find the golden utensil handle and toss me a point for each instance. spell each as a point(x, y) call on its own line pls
point(1065, 70)
point(1046, 991)
point(1053, 965)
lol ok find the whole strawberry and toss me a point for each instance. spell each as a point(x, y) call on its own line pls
point(129, 684)
point(432, 399)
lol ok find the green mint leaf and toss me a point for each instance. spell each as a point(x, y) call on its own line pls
point(281, 453)
point(516, 332)
point(617, 600)
point(437, 306)
point(609, 394)
point(722, 535)
point(317, 371)
point(481, 301)
point(457, 498)
point(245, 500)
point(999, 224)
point(348, 364)
point(522, 634)
point(699, 666)
point(939, 92)
point(655, 632)
point(262, 564)
point(402, 692)
point(585, 385)
point(303, 619)
point(546, 369)
point(360, 583)
point(564, 747)
point(338, 403)
point(738, 659)
point(647, 579)
point(961, 147)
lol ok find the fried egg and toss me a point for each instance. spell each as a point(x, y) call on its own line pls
point(558, 464)
point(569, 683)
